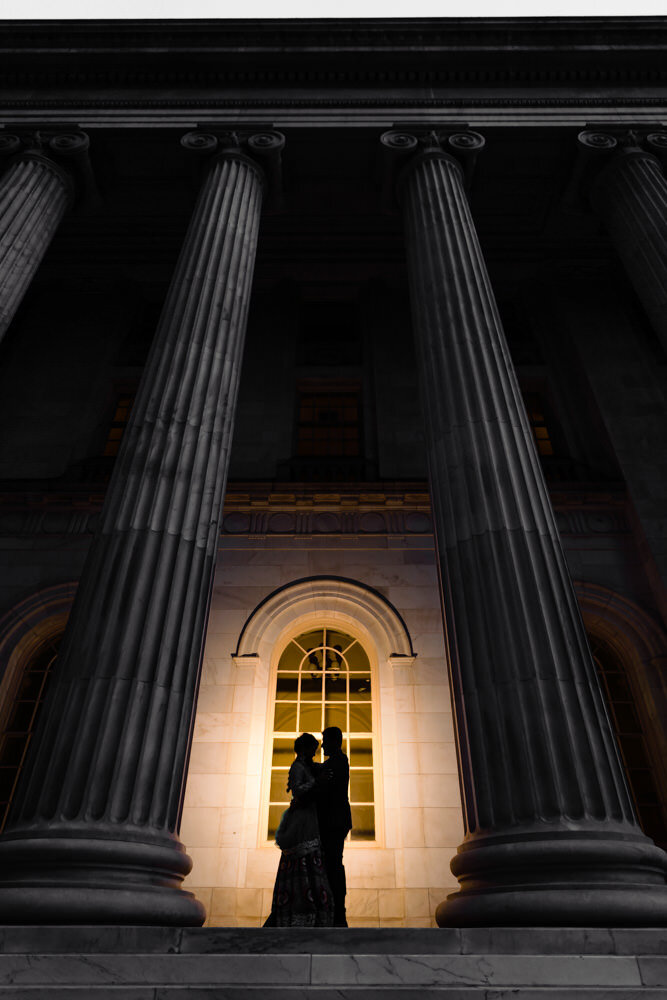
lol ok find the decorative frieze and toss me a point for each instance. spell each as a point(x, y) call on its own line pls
point(305, 514)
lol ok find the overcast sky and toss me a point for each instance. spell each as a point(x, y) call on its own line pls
point(26, 9)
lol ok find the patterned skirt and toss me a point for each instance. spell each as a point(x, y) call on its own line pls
point(301, 895)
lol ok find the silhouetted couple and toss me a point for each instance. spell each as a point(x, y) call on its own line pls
point(310, 884)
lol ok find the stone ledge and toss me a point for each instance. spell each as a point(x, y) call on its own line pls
point(152, 963)
point(319, 993)
point(65, 940)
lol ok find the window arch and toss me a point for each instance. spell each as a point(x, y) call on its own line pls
point(629, 648)
point(324, 677)
point(19, 720)
point(30, 634)
point(631, 739)
point(342, 605)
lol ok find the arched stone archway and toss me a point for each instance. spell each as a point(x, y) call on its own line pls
point(25, 629)
point(638, 641)
point(335, 597)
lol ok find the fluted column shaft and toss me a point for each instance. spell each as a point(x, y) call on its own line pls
point(105, 785)
point(35, 193)
point(544, 797)
point(630, 195)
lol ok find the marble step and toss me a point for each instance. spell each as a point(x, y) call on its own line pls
point(151, 963)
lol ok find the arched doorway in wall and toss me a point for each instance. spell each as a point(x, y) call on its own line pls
point(630, 654)
point(30, 636)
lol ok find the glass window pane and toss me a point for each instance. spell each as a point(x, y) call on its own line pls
point(279, 791)
point(311, 640)
point(291, 658)
point(334, 661)
point(31, 686)
point(361, 786)
point(285, 717)
point(356, 658)
point(311, 687)
point(618, 687)
point(287, 687)
point(7, 779)
point(652, 821)
point(339, 640)
point(335, 715)
point(275, 812)
point(336, 687)
point(11, 753)
point(312, 662)
point(626, 718)
point(643, 786)
point(363, 823)
point(360, 688)
point(283, 753)
point(633, 751)
point(361, 753)
point(360, 717)
point(21, 717)
point(310, 719)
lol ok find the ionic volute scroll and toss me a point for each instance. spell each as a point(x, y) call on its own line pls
point(261, 147)
point(401, 147)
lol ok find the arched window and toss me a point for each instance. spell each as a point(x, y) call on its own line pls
point(19, 719)
point(324, 678)
point(631, 740)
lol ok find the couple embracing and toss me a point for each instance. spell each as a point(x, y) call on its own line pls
point(310, 884)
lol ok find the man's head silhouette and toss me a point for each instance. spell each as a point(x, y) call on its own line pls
point(332, 740)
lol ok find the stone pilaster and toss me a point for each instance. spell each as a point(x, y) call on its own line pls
point(35, 192)
point(629, 193)
point(93, 834)
point(550, 833)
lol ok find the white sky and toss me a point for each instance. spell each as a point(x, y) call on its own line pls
point(60, 9)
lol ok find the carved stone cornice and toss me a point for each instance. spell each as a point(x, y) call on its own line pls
point(484, 51)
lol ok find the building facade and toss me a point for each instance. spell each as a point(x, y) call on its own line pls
point(393, 292)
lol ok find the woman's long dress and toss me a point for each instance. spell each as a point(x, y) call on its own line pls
point(301, 895)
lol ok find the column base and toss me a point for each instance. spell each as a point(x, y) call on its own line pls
point(572, 880)
point(554, 906)
point(67, 880)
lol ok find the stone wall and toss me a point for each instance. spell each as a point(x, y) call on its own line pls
point(397, 882)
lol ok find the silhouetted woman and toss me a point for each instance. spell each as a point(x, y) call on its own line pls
point(301, 895)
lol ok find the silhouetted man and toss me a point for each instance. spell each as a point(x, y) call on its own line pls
point(334, 816)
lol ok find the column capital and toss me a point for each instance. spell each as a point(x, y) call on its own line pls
point(609, 148)
point(262, 149)
point(63, 151)
point(409, 147)
point(621, 175)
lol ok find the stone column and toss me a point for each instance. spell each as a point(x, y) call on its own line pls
point(93, 835)
point(629, 193)
point(35, 193)
point(550, 833)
